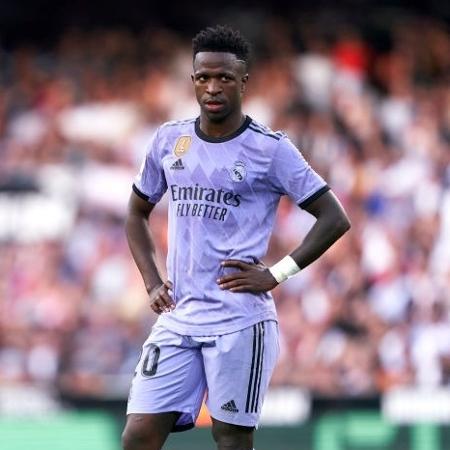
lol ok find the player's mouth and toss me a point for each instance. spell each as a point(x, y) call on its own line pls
point(214, 105)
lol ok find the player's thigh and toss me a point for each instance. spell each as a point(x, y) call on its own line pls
point(238, 370)
point(232, 437)
point(148, 431)
point(169, 377)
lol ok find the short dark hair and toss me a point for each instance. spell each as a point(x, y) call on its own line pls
point(221, 38)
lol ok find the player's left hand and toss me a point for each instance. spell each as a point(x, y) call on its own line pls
point(250, 277)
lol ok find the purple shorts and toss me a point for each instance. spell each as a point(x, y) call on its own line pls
point(175, 372)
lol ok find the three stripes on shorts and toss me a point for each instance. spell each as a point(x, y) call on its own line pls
point(254, 383)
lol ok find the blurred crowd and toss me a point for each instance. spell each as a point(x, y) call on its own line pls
point(369, 110)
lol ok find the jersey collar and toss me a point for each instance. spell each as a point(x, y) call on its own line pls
point(226, 138)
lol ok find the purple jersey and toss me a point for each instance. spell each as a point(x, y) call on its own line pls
point(223, 195)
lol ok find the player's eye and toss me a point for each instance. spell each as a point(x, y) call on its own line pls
point(202, 78)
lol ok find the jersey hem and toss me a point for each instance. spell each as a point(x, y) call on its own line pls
point(165, 322)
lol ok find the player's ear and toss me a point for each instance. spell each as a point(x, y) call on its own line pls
point(244, 80)
point(192, 78)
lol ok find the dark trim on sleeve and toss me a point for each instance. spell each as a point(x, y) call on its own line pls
point(313, 197)
point(140, 194)
point(180, 428)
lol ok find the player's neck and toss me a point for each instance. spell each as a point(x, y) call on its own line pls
point(221, 129)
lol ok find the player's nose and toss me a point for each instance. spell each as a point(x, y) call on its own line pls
point(213, 87)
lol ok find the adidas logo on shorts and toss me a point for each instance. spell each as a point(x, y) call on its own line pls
point(177, 165)
point(230, 406)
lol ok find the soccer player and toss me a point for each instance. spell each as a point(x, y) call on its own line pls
point(217, 330)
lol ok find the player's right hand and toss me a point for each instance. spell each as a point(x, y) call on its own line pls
point(160, 299)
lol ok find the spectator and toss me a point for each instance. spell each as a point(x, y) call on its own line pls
point(372, 314)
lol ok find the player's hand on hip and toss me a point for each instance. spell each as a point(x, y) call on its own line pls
point(248, 278)
point(160, 299)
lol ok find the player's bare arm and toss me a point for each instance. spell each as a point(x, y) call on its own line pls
point(332, 222)
point(143, 251)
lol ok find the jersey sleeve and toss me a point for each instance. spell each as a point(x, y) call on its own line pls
point(290, 174)
point(150, 183)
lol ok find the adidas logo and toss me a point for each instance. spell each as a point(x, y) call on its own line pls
point(230, 406)
point(177, 165)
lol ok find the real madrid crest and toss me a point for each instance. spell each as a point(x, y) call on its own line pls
point(182, 145)
point(238, 172)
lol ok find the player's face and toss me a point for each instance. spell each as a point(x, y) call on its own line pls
point(219, 81)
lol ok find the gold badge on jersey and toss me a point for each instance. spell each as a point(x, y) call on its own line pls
point(182, 145)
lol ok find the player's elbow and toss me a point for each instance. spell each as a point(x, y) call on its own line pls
point(342, 224)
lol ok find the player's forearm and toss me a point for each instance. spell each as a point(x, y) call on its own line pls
point(324, 233)
point(143, 249)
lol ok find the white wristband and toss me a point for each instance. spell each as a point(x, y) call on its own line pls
point(284, 269)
